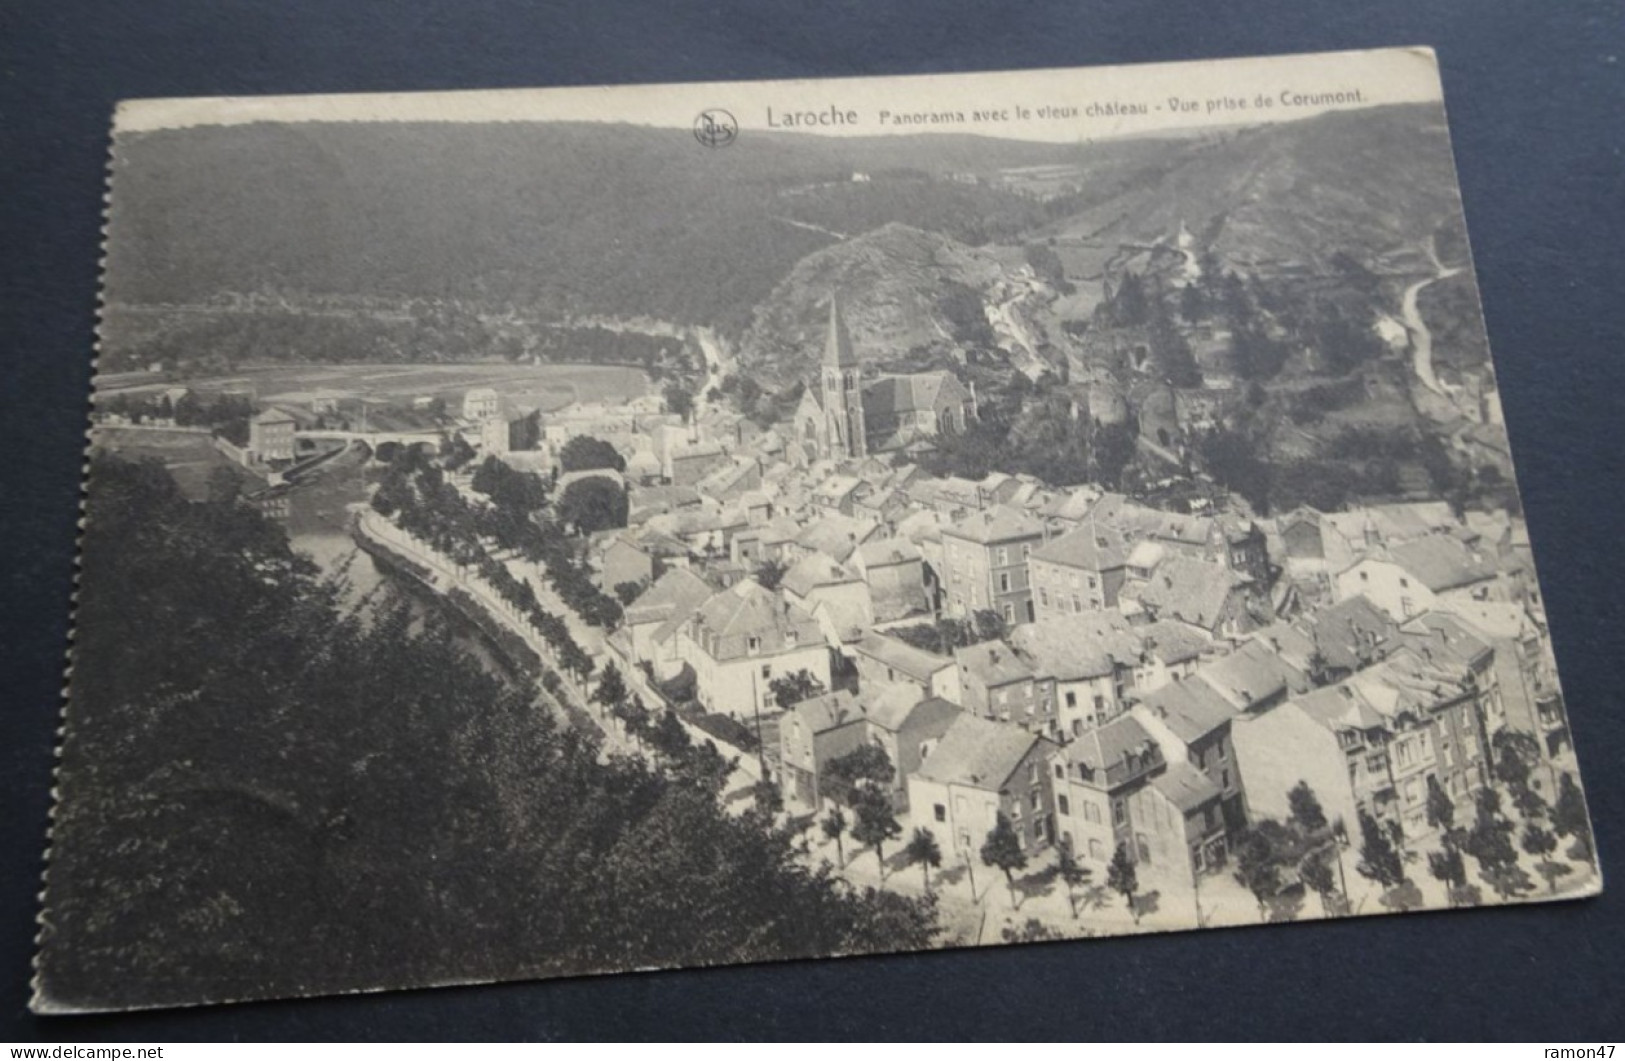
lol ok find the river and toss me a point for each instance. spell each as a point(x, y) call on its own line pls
point(316, 515)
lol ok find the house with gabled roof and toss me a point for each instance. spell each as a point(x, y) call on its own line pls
point(1208, 596)
point(979, 770)
point(986, 556)
point(812, 734)
point(906, 726)
point(1411, 577)
point(1081, 570)
point(1190, 721)
point(1089, 662)
point(743, 638)
point(883, 661)
point(673, 597)
point(996, 681)
point(895, 572)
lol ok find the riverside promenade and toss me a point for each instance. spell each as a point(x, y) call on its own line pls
point(446, 575)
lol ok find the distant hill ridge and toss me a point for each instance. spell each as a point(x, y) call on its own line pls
point(580, 219)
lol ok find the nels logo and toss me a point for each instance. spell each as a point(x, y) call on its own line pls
point(715, 128)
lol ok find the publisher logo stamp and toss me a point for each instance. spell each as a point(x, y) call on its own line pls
point(716, 128)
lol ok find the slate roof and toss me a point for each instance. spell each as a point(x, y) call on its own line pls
point(828, 711)
point(1442, 562)
point(677, 592)
point(916, 663)
point(1173, 642)
point(1185, 787)
point(978, 752)
point(997, 524)
point(1351, 633)
point(1079, 646)
point(1105, 751)
point(835, 534)
point(725, 622)
point(1093, 546)
point(884, 551)
point(1253, 674)
point(993, 663)
point(1188, 589)
point(815, 570)
point(1191, 709)
point(891, 707)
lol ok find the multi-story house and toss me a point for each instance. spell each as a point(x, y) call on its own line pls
point(673, 598)
point(270, 435)
point(1190, 721)
point(896, 576)
point(979, 770)
point(812, 734)
point(741, 639)
point(1375, 742)
point(907, 727)
point(1093, 781)
point(1092, 661)
point(986, 554)
point(883, 660)
point(1081, 570)
point(1413, 576)
point(997, 682)
point(1208, 596)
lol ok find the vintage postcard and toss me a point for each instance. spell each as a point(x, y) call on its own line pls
point(538, 533)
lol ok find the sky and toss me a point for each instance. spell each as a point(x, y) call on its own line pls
point(1043, 105)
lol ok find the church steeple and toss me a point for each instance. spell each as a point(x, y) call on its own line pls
point(838, 343)
point(844, 430)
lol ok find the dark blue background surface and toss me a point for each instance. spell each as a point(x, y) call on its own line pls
point(1536, 94)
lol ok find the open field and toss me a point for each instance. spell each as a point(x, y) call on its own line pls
point(550, 386)
point(189, 456)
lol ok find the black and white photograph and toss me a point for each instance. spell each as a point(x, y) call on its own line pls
point(537, 533)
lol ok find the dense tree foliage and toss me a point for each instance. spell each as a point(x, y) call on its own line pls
point(593, 504)
point(318, 803)
point(585, 453)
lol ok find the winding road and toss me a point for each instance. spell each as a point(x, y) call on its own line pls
point(1421, 336)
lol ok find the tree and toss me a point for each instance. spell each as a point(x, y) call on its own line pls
point(1441, 810)
point(1541, 842)
point(1122, 878)
point(1002, 850)
point(1516, 755)
point(1569, 818)
point(1306, 811)
point(1379, 860)
point(611, 691)
point(923, 851)
point(636, 716)
point(1072, 874)
point(585, 453)
point(593, 504)
point(791, 689)
point(865, 767)
point(833, 825)
point(669, 739)
point(458, 820)
point(770, 573)
point(1489, 841)
point(627, 592)
point(679, 400)
point(875, 822)
point(769, 800)
point(1316, 874)
point(1257, 869)
point(1447, 867)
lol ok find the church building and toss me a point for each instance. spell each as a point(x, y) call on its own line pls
point(846, 417)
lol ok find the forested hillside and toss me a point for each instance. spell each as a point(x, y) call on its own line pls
point(264, 798)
